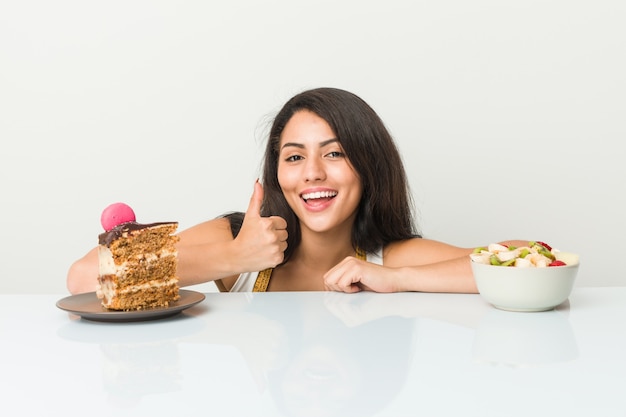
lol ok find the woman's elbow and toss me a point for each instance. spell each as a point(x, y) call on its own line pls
point(82, 275)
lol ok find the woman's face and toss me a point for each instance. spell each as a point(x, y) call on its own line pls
point(318, 181)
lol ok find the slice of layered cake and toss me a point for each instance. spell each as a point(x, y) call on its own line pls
point(137, 261)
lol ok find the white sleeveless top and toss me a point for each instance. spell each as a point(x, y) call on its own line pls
point(245, 282)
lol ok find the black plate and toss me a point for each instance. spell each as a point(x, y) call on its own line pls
point(89, 307)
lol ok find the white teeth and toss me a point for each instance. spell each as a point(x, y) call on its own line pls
point(319, 194)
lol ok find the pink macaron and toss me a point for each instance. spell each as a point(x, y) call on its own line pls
point(116, 214)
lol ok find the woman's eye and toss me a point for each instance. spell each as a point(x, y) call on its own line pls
point(293, 158)
point(335, 154)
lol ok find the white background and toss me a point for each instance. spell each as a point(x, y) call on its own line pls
point(510, 115)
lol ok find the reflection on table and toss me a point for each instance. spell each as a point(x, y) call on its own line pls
point(322, 354)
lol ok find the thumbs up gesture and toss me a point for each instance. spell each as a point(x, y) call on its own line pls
point(262, 241)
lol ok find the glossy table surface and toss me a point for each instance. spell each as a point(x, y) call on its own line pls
point(320, 354)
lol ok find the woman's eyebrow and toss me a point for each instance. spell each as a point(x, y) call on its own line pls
point(301, 146)
point(292, 144)
point(328, 142)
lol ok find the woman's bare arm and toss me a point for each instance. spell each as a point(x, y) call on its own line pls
point(413, 265)
point(208, 251)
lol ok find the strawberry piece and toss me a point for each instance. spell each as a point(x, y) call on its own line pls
point(545, 245)
point(557, 263)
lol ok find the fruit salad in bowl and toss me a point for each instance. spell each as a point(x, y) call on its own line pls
point(536, 254)
point(535, 277)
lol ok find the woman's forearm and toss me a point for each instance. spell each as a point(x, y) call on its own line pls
point(452, 276)
point(201, 263)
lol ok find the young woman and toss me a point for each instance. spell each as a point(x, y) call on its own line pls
point(333, 213)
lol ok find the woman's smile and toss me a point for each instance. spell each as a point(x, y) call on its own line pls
point(316, 200)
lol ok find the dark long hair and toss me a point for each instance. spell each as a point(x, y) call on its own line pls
point(385, 212)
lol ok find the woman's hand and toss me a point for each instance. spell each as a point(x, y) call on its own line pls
point(354, 275)
point(208, 251)
point(262, 241)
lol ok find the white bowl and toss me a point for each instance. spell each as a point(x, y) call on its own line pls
point(526, 289)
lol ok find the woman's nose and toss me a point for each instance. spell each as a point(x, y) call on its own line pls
point(314, 170)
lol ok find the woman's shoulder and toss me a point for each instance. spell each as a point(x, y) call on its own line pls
point(420, 251)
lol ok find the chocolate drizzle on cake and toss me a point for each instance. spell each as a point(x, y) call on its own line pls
point(123, 229)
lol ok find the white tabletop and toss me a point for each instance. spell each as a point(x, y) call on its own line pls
point(320, 354)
